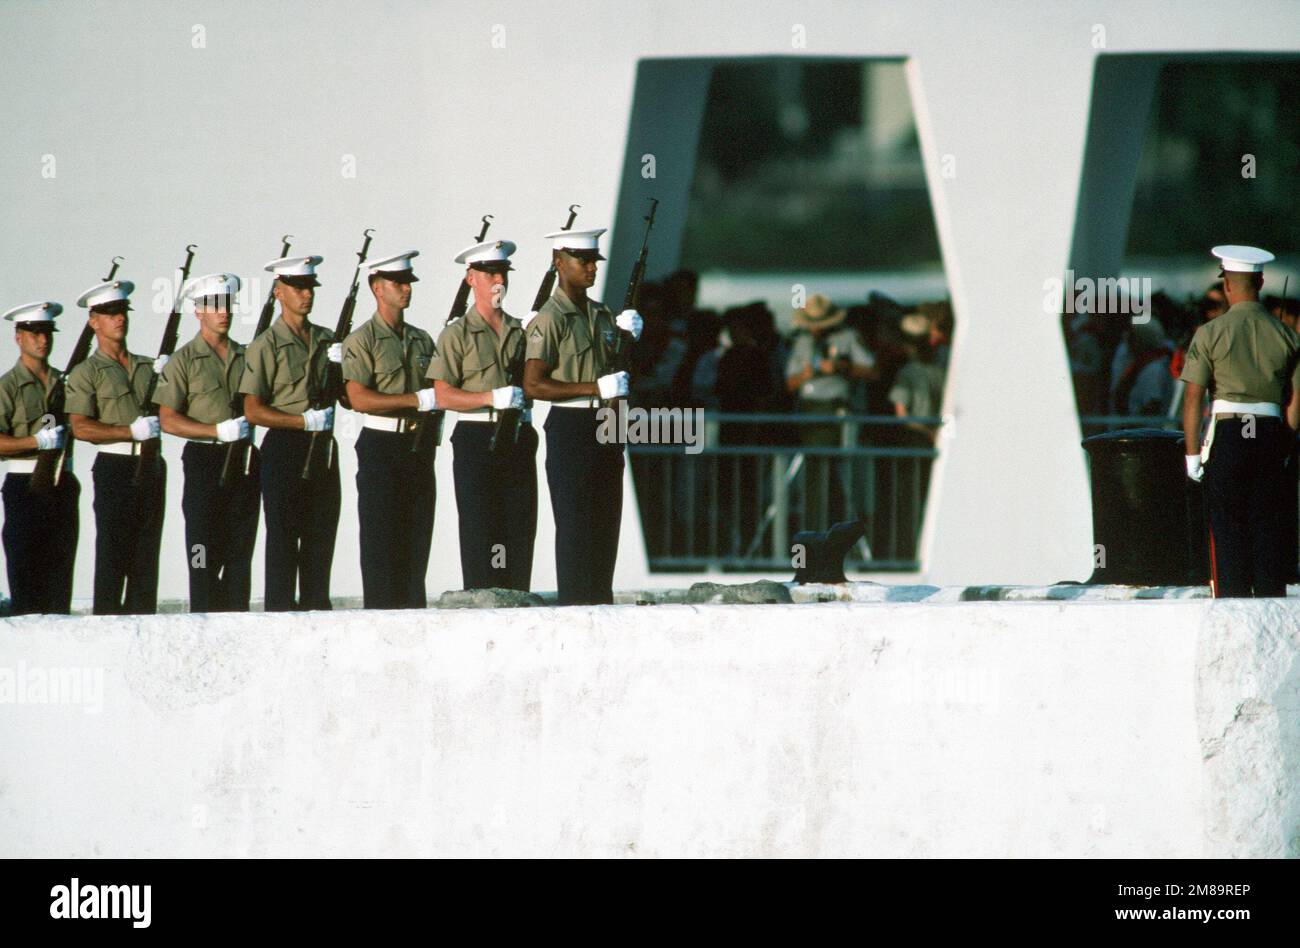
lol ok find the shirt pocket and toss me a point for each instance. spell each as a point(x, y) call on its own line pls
point(206, 396)
point(475, 369)
point(575, 351)
point(29, 412)
point(390, 372)
point(117, 404)
point(290, 381)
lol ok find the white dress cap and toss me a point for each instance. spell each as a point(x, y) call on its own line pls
point(34, 313)
point(295, 266)
point(491, 251)
point(397, 263)
point(212, 284)
point(102, 293)
point(1239, 259)
point(576, 239)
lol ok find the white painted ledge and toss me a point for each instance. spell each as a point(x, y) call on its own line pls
point(1100, 728)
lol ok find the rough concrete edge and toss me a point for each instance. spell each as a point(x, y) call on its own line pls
point(1247, 694)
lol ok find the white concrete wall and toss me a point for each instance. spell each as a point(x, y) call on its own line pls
point(158, 144)
point(1124, 729)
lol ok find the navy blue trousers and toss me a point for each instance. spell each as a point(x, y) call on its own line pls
point(128, 534)
point(40, 541)
point(1245, 494)
point(220, 528)
point(586, 482)
point(496, 500)
point(396, 492)
point(302, 519)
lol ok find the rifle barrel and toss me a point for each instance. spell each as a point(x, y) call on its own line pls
point(333, 388)
point(151, 450)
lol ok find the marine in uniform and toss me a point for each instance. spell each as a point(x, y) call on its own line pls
point(572, 347)
point(480, 356)
point(196, 401)
point(384, 363)
point(105, 403)
point(1250, 363)
point(40, 531)
point(283, 368)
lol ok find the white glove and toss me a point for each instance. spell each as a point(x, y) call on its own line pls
point(507, 396)
point(335, 353)
point(428, 399)
point(145, 428)
point(630, 321)
point(612, 386)
point(159, 363)
point(1194, 469)
point(233, 429)
point(529, 318)
point(47, 439)
point(318, 419)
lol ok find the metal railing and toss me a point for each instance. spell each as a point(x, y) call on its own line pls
point(759, 479)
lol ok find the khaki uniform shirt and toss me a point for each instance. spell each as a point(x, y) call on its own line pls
point(1245, 355)
point(471, 356)
point(199, 384)
point(576, 348)
point(24, 403)
point(101, 388)
point(278, 367)
point(379, 359)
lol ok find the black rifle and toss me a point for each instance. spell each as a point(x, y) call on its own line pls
point(429, 431)
point(50, 462)
point(333, 389)
point(507, 429)
point(151, 450)
point(623, 354)
point(237, 451)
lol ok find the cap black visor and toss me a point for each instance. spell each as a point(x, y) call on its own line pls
point(300, 282)
point(397, 276)
point(584, 254)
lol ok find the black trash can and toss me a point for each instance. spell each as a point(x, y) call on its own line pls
point(1147, 515)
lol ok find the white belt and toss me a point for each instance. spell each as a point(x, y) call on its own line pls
point(381, 423)
point(203, 441)
point(586, 402)
point(1268, 409)
point(1223, 407)
point(129, 448)
point(22, 465)
point(484, 417)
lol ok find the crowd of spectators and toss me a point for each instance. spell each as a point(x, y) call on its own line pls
point(879, 357)
point(1122, 365)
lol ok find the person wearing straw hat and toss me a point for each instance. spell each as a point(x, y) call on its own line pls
point(40, 531)
point(1250, 363)
point(384, 362)
point(496, 487)
point(195, 398)
point(826, 360)
point(105, 399)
